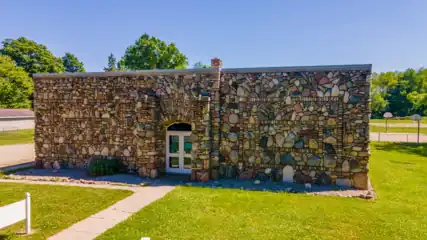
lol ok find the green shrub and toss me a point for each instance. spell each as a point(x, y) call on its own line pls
point(101, 166)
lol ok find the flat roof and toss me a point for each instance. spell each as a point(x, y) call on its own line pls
point(319, 68)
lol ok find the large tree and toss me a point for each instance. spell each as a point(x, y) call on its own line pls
point(418, 96)
point(72, 64)
point(153, 53)
point(401, 93)
point(15, 85)
point(399, 104)
point(121, 66)
point(381, 84)
point(33, 57)
point(112, 64)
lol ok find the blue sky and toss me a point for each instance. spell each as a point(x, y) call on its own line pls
point(389, 34)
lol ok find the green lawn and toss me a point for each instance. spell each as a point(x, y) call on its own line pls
point(17, 137)
point(55, 207)
point(392, 129)
point(398, 173)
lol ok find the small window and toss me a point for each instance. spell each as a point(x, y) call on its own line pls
point(180, 127)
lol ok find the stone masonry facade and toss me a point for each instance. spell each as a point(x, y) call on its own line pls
point(291, 124)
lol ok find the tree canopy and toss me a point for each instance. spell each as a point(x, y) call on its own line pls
point(112, 64)
point(33, 57)
point(401, 93)
point(15, 85)
point(72, 64)
point(153, 53)
point(199, 64)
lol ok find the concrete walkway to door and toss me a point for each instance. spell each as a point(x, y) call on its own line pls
point(100, 222)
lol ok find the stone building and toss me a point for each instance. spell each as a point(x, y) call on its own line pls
point(302, 124)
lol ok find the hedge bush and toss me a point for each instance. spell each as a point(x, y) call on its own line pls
point(101, 166)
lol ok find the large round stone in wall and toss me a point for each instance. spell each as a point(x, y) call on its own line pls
point(233, 118)
point(288, 174)
point(234, 156)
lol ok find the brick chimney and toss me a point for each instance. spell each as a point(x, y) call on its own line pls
point(216, 63)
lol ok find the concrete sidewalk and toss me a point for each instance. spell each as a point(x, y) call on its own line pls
point(16, 154)
point(397, 137)
point(100, 222)
point(399, 125)
point(15, 124)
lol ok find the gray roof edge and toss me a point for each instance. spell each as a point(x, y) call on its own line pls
point(130, 73)
point(363, 67)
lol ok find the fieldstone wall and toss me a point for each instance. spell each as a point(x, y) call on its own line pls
point(287, 124)
point(303, 126)
point(78, 118)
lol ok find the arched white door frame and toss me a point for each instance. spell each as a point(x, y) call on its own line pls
point(178, 162)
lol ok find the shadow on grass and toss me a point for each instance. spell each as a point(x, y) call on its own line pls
point(409, 148)
point(17, 168)
point(9, 236)
point(401, 163)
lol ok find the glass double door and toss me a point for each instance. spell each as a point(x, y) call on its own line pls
point(178, 152)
